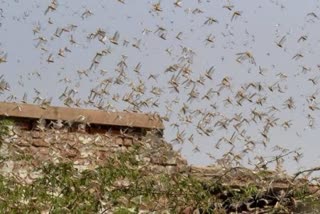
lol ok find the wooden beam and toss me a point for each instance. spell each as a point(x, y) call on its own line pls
point(126, 119)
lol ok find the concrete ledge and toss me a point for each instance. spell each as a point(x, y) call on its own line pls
point(124, 119)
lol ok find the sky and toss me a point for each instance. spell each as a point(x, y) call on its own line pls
point(36, 72)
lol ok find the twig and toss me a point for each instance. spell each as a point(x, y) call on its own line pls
point(306, 170)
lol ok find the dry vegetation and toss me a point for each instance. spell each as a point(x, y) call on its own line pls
point(123, 185)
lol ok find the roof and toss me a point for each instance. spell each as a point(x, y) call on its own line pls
point(99, 117)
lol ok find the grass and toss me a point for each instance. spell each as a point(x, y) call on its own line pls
point(5, 125)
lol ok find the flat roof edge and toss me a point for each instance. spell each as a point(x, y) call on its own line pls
point(99, 117)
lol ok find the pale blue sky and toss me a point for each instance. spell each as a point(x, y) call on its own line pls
point(261, 25)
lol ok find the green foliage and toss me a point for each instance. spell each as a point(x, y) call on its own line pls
point(119, 185)
point(4, 127)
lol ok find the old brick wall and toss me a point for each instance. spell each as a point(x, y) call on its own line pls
point(84, 137)
point(23, 150)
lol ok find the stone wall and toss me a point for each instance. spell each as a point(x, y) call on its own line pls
point(31, 142)
point(23, 150)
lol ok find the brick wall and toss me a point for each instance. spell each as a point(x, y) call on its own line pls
point(28, 146)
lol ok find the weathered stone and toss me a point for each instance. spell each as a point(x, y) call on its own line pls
point(127, 142)
point(157, 169)
point(10, 130)
point(155, 160)
point(22, 173)
point(98, 140)
point(121, 183)
point(43, 151)
point(171, 169)
point(188, 210)
point(84, 153)
point(35, 174)
point(197, 211)
point(80, 167)
point(119, 141)
point(37, 135)
point(40, 143)
point(70, 153)
point(84, 140)
point(101, 155)
point(181, 168)
point(7, 140)
point(23, 143)
point(7, 167)
point(171, 161)
point(4, 150)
